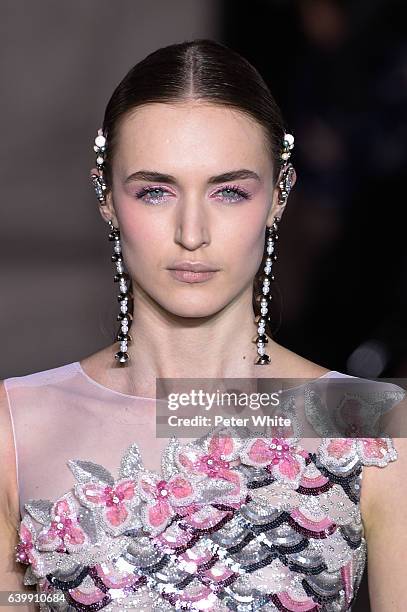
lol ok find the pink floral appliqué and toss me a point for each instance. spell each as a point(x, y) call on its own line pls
point(282, 457)
point(115, 501)
point(337, 452)
point(164, 498)
point(64, 532)
point(25, 549)
point(215, 462)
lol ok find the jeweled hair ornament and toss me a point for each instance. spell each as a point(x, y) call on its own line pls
point(287, 173)
point(98, 181)
point(262, 301)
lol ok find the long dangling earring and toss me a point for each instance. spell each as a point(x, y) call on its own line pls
point(124, 296)
point(264, 298)
point(124, 316)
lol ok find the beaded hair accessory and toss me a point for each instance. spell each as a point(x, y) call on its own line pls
point(98, 181)
point(287, 175)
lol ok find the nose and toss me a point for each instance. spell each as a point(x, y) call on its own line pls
point(192, 225)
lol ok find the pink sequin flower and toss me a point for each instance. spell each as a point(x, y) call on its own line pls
point(64, 533)
point(164, 499)
point(114, 501)
point(282, 457)
point(337, 452)
point(215, 461)
point(25, 550)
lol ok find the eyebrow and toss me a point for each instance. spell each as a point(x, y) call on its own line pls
point(233, 175)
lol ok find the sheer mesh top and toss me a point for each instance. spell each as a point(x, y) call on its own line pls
point(113, 517)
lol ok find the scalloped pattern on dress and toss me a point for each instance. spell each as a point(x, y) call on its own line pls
point(229, 524)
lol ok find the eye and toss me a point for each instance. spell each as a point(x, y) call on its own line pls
point(234, 193)
point(154, 194)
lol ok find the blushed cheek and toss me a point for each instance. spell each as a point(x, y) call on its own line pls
point(141, 233)
point(249, 249)
point(143, 249)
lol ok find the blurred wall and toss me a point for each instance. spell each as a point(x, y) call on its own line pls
point(60, 62)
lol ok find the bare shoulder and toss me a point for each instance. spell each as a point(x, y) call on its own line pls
point(383, 492)
point(384, 515)
point(287, 364)
point(9, 504)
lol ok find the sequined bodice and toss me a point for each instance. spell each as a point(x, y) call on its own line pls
point(229, 523)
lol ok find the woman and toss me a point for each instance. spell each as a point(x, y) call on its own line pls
point(192, 175)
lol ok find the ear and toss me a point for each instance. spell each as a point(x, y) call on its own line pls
point(277, 209)
point(106, 208)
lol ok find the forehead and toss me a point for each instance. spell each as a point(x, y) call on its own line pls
point(189, 135)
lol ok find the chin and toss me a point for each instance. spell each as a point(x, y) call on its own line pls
point(192, 308)
point(191, 312)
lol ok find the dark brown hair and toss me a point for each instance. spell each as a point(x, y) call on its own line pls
point(200, 69)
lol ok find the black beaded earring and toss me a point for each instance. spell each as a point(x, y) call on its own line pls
point(124, 296)
point(121, 276)
point(263, 299)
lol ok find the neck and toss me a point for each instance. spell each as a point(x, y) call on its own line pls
point(170, 346)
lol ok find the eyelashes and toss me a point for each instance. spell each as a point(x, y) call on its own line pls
point(235, 194)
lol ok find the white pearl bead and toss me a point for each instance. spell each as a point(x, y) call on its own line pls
point(100, 141)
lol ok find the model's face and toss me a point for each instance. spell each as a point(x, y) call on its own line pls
point(191, 216)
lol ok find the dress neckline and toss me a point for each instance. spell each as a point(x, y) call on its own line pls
point(80, 369)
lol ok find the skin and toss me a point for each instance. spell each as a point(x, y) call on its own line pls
point(204, 329)
point(185, 329)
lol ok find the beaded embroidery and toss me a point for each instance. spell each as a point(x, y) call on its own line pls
point(230, 524)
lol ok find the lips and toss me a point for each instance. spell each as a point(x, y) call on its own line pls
point(193, 266)
point(189, 276)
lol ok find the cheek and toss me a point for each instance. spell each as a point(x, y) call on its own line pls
point(142, 251)
point(246, 247)
point(244, 232)
point(142, 235)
